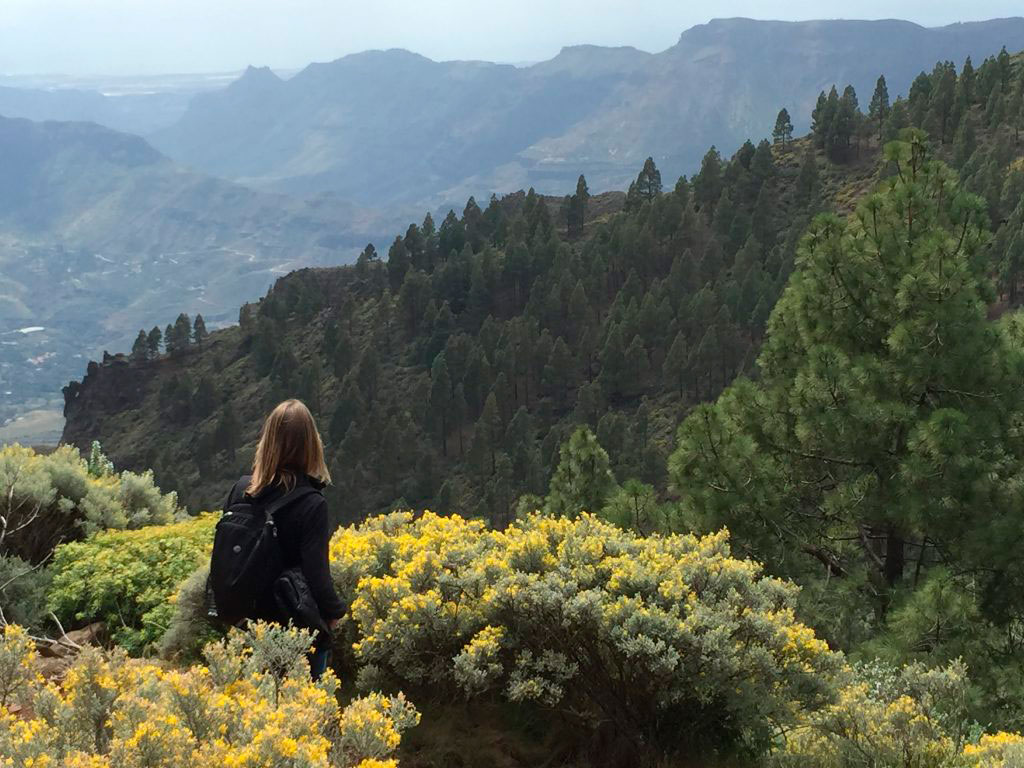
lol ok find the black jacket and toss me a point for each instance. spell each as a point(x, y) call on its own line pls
point(303, 533)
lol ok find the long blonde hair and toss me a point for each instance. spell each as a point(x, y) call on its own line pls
point(289, 446)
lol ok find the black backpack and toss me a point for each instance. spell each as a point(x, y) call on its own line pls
point(246, 557)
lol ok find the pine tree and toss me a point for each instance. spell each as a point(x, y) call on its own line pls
point(783, 131)
point(899, 120)
point(1004, 65)
point(844, 123)
point(577, 209)
point(347, 410)
point(489, 431)
point(648, 182)
point(1013, 265)
point(199, 333)
point(762, 166)
point(674, 368)
point(917, 100)
point(476, 381)
point(367, 261)
point(399, 262)
point(579, 310)
point(823, 120)
point(310, 385)
point(140, 349)
point(633, 198)
point(441, 399)
point(265, 346)
point(637, 365)
point(708, 183)
point(460, 412)
point(995, 107)
point(342, 355)
point(560, 371)
point(413, 298)
point(808, 185)
point(368, 374)
point(820, 119)
point(179, 336)
point(613, 362)
point(205, 399)
point(941, 102)
point(965, 142)
point(583, 480)
point(896, 384)
point(967, 81)
point(879, 109)
point(1015, 108)
point(227, 433)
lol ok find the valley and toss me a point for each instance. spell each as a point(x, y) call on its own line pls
point(100, 235)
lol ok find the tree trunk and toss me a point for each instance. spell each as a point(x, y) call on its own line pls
point(895, 557)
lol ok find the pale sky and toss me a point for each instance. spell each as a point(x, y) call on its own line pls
point(109, 37)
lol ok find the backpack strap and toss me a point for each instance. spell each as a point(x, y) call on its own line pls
point(296, 493)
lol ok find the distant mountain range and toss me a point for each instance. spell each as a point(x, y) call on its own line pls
point(100, 235)
point(387, 127)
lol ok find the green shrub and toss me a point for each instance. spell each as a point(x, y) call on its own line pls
point(127, 579)
point(54, 497)
point(23, 592)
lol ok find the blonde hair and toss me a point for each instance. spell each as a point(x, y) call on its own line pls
point(289, 446)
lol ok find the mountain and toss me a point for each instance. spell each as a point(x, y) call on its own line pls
point(100, 235)
point(386, 127)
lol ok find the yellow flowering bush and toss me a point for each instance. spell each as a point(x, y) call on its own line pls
point(16, 673)
point(669, 638)
point(996, 750)
point(887, 716)
point(127, 578)
point(251, 705)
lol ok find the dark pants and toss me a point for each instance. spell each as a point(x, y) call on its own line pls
point(319, 658)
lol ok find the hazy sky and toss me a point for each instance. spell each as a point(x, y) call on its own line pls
point(157, 36)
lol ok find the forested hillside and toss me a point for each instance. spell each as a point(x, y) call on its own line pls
point(447, 371)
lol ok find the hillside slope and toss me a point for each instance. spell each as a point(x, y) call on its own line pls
point(449, 373)
point(521, 317)
point(100, 233)
point(390, 126)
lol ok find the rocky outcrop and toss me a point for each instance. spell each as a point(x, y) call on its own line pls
point(114, 385)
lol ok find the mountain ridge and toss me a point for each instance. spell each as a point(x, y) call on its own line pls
point(396, 127)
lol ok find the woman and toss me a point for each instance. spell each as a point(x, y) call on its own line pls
point(291, 454)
